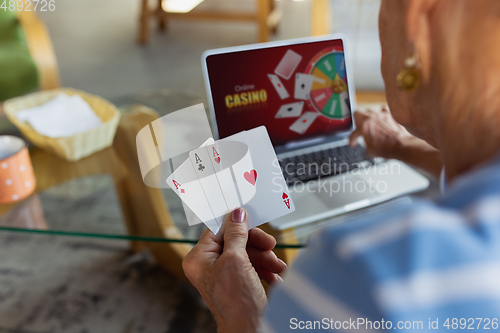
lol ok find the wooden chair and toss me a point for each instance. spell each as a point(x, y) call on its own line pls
point(267, 17)
point(144, 208)
point(41, 49)
point(320, 17)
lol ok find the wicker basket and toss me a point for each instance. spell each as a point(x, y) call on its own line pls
point(75, 147)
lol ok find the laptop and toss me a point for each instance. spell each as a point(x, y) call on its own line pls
point(302, 90)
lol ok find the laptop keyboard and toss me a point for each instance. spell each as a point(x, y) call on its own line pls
point(323, 163)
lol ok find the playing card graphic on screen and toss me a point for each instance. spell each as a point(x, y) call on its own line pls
point(303, 123)
point(280, 88)
point(303, 85)
point(290, 110)
point(264, 86)
point(288, 64)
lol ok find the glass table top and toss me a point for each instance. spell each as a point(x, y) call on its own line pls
point(85, 198)
point(87, 206)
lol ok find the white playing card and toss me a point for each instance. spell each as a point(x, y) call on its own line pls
point(175, 163)
point(303, 123)
point(234, 156)
point(245, 167)
point(280, 88)
point(246, 175)
point(290, 110)
point(269, 195)
point(186, 185)
point(303, 84)
point(193, 219)
point(208, 180)
point(223, 155)
point(288, 64)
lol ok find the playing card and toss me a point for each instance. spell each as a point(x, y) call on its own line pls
point(172, 181)
point(269, 196)
point(186, 185)
point(204, 169)
point(302, 124)
point(245, 176)
point(303, 84)
point(193, 219)
point(246, 173)
point(224, 155)
point(288, 64)
point(290, 110)
point(280, 88)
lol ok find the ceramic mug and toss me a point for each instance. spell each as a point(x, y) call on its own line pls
point(17, 180)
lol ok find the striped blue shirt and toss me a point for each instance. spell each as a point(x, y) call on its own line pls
point(420, 266)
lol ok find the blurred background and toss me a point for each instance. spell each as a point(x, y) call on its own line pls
point(97, 51)
point(131, 61)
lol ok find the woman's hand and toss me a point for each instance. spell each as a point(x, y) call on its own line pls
point(383, 136)
point(227, 274)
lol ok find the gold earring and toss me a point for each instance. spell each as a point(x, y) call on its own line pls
point(408, 78)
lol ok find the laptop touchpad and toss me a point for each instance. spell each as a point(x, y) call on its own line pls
point(342, 190)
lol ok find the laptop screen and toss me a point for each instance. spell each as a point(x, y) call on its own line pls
point(299, 92)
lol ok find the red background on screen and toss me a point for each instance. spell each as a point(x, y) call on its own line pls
point(226, 71)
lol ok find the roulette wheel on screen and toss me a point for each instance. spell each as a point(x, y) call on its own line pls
point(329, 91)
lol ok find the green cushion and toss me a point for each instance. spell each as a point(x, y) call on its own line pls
point(18, 71)
point(10, 29)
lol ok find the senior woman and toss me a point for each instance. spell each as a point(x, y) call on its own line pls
point(424, 266)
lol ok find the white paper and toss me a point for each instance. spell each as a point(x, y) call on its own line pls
point(62, 116)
